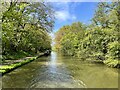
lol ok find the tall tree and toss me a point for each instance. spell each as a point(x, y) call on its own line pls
point(25, 26)
point(101, 15)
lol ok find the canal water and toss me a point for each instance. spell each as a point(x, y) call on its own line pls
point(57, 71)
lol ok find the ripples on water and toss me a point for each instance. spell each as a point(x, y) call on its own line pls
point(57, 71)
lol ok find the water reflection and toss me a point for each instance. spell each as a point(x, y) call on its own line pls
point(52, 64)
point(57, 71)
point(56, 75)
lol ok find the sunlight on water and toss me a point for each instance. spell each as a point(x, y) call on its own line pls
point(53, 63)
point(57, 71)
point(53, 59)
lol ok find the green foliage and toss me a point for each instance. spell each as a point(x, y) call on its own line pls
point(18, 55)
point(96, 42)
point(7, 68)
point(112, 63)
point(68, 41)
point(113, 55)
point(114, 50)
point(25, 28)
point(101, 14)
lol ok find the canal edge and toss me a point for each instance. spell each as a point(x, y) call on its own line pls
point(24, 61)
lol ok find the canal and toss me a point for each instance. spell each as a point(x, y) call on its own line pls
point(57, 71)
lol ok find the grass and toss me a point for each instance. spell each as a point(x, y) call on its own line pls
point(16, 56)
point(7, 68)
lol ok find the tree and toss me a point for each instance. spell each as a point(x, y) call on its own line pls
point(26, 26)
point(98, 41)
point(101, 15)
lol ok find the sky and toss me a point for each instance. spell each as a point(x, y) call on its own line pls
point(68, 12)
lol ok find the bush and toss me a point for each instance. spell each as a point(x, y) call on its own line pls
point(113, 55)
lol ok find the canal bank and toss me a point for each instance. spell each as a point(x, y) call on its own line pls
point(14, 64)
point(57, 71)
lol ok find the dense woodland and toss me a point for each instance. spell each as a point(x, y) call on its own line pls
point(25, 28)
point(98, 41)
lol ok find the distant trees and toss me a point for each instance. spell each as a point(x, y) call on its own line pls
point(71, 40)
point(25, 27)
point(98, 41)
point(59, 36)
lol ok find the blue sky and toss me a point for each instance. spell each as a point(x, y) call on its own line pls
point(69, 12)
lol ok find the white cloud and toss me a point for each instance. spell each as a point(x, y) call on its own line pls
point(61, 6)
point(64, 15)
point(64, 12)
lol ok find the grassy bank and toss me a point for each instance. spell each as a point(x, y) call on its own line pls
point(6, 68)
